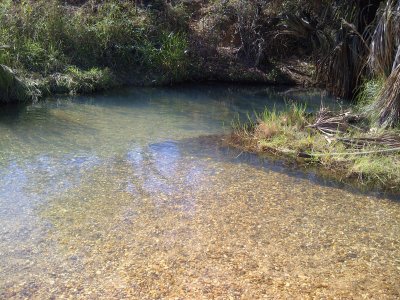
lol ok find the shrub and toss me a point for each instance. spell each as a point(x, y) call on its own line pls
point(75, 80)
point(46, 37)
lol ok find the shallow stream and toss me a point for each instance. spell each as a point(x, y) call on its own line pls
point(128, 195)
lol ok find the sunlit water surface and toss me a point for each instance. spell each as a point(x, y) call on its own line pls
point(128, 195)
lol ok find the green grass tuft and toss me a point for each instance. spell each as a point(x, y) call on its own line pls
point(75, 80)
point(285, 133)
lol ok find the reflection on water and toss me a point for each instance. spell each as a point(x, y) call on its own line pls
point(128, 195)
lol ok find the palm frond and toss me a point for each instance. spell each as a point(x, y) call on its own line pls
point(383, 44)
point(388, 103)
point(396, 22)
point(341, 67)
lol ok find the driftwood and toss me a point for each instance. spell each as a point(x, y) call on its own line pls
point(334, 127)
point(330, 123)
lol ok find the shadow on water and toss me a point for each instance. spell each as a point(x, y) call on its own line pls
point(9, 113)
point(244, 97)
point(210, 147)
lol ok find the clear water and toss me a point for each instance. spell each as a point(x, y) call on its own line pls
point(128, 196)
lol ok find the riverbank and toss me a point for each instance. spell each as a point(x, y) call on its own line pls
point(342, 145)
point(81, 47)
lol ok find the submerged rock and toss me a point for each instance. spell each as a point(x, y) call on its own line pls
point(13, 89)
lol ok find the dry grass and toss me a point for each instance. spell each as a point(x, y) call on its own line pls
point(264, 131)
point(347, 153)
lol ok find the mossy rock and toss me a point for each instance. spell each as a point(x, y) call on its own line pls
point(12, 89)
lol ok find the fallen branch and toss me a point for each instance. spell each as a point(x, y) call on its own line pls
point(331, 123)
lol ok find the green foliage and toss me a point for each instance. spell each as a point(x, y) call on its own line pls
point(5, 57)
point(89, 81)
point(381, 169)
point(172, 56)
point(273, 125)
point(284, 133)
point(293, 115)
point(35, 58)
point(107, 36)
point(33, 31)
point(46, 37)
point(367, 95)
point(75, 80)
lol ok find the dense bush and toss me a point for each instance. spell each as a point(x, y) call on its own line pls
point(46, 37)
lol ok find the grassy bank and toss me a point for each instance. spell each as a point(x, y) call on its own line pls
point(84, 46)
point(343, 145)
point(60, 48)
